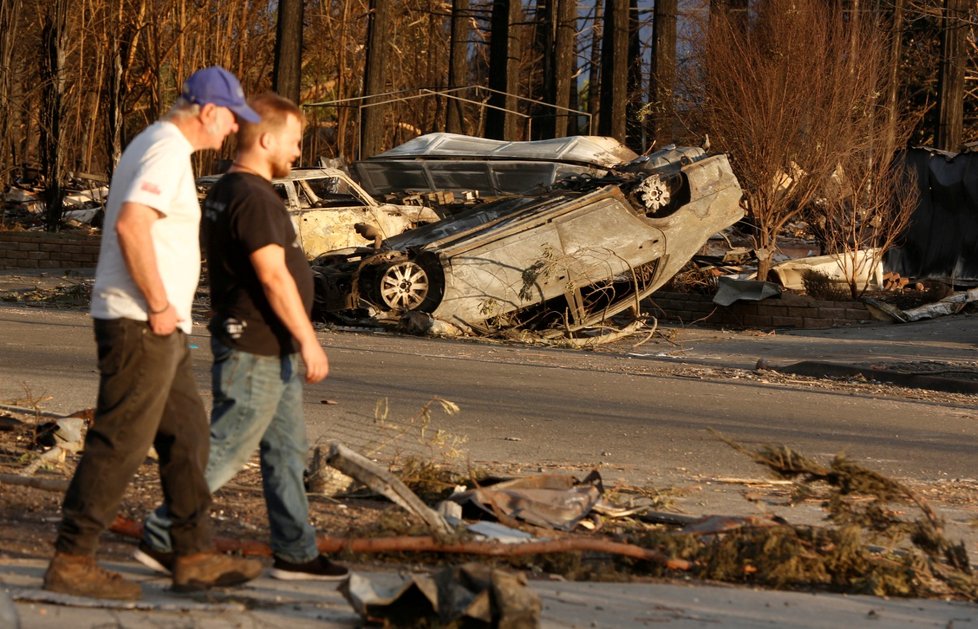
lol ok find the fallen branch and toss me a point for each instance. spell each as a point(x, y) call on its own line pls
point(429, 544)
point(380, 480)
point(46, 484)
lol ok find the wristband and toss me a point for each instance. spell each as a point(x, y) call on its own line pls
point(156, 312)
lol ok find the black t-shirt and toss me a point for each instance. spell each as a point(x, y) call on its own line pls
point(241, 214)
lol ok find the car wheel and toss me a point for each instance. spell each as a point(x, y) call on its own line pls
point(404, 285)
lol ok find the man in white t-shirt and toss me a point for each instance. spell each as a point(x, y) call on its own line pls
point(147, 274)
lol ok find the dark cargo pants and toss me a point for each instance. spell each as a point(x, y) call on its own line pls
point(147, 396)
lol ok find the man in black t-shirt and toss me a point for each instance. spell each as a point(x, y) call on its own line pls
point(261, 294)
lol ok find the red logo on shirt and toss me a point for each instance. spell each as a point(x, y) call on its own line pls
point(151, 188)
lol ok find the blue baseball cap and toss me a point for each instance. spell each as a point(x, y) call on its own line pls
point(217, 86)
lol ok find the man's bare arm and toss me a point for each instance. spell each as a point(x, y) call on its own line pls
point(133, 230)
point(283, 296)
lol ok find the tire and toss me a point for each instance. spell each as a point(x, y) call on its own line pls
point(410, 284)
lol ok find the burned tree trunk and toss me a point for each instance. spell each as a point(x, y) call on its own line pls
point(614, 70)
point(55, 38)
point(565, 45)
point(594, 70)
point(896, 31)
point(543, 113)
point(633, 127)
point(287, 75)
point(113, 127)
point(663, 81)
point(458, 67)
point(950, 85)
point(556, 42)
point(375, 79)
point(573, 102)
point(9, 10)
point(503, 79)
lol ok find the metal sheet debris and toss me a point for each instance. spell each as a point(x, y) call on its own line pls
point(730, 290)
point(462, 594)
point(549, 500)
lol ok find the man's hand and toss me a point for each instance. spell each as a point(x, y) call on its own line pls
point(165, 322)
point(315, 360)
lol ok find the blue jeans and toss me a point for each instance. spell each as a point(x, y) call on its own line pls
point(257, 403)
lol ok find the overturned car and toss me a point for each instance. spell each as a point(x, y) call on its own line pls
point(566, 259)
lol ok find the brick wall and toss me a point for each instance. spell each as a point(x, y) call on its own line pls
point(43, 250)
point(790, 310)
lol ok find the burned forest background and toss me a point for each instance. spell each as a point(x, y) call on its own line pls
point(801, 95)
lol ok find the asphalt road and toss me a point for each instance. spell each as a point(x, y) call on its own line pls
point(542, 408)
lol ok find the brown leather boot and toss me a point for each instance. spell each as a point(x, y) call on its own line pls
point(211, 569)
point(79, 575)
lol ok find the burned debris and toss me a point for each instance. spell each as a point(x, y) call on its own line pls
point(879, 536)
point(564, 260)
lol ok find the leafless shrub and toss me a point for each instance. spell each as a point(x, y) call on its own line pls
point(793, 94)
point(870, 208)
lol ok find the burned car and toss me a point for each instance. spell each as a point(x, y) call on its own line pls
point(326, 204)
point(454, 163)
point(570, 258)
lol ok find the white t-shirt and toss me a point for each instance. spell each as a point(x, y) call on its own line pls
point(154, 170)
